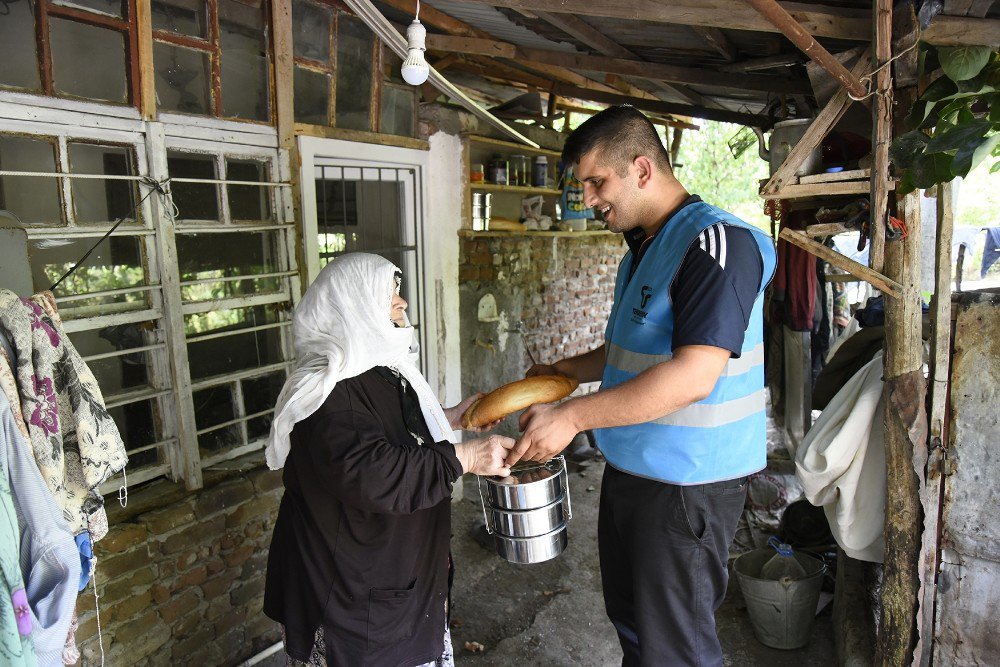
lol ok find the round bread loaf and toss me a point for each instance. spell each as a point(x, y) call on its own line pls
point(516, 396)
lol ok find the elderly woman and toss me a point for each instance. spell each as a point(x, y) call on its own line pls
point(359, 564)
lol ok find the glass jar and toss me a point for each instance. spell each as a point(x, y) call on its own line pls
point(540, 174)
point(497, 172)
point(518, 174)
point(477, 173)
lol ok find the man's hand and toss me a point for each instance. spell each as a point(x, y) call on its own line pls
point(454, 415)
point(547, 429)
point(542, 369)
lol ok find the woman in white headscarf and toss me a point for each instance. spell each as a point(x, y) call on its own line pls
point(359, 563)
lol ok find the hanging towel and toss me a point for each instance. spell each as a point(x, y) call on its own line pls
point(841, 464)
point(49, 560)
point(991, 252)
point(72, 437)
point(16, 648)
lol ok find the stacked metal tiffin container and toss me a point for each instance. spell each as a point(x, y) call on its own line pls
point(527, 512)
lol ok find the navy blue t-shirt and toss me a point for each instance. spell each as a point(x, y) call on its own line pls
point(715, 287)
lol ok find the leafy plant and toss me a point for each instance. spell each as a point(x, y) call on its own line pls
point(955, 124)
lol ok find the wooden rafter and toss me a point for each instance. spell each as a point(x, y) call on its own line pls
point(718, 41)
point(660, 106)
point(819, 20)
point(767, 62)
point(587, 34)
point(801, 37)
point(622, 66)
point(962, 31)
point(455, 27)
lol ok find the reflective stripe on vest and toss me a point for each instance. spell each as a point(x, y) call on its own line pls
point(720, 437)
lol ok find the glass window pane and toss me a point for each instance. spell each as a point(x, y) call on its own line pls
point(312, 97)
point(354, 74)
point(248, 202)
point(109, 7)
point(243, 40)
point(194, 201)
point(398, 106)
point(32, 198)
point(181, 17)
point(235, 352)
point(203, 256)
point(117, 262)
point(138, 423)
point(17, 46)
point(102, 201)
point(101, 74)
point(261, 393)
point(392, 66)
point(182, 79)
point(116, 374)
point(311, 30)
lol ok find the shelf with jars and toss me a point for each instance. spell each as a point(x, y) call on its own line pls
point(502, 174)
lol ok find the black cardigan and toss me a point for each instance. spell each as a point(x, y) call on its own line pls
point(360, 545)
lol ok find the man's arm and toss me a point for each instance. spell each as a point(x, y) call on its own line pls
point(688, 377)
point(586, 367)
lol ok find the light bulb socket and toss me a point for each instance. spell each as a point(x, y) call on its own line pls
point(416, 36)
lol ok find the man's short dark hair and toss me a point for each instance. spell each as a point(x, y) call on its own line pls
point(620, 134)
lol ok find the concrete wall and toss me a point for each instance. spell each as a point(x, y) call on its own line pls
point(181, 575)
point(560, 286)
point(968, 592)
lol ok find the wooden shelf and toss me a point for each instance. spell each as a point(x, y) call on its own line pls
point(510, 145)
point(469, 233)
point(513, 189)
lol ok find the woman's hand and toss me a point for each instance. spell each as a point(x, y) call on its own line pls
point(454, 415)
point(485, 456)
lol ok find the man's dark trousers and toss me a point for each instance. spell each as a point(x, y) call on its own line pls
point(664, 551)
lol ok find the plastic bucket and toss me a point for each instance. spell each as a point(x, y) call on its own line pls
point(782, 613)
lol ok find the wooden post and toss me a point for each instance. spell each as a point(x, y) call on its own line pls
point(675, 145)
point(905, 433)
point(936, 453)
point(147, 77)
point(959, 268)
point(882, 132)
point(793, 30)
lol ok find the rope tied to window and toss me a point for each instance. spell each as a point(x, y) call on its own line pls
point(161, 187)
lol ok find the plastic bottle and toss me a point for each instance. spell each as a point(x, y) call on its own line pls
point(540, 173)
point(783, 565)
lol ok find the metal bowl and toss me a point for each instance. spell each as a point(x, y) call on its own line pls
point(527, 550)
point(528, 488)
point(528, 523)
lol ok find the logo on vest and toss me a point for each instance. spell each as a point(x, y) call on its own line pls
point(639, 314)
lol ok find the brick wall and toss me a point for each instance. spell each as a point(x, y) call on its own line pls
point(181, 575)
point(561, 287)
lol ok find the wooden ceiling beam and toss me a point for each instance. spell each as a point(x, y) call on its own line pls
point(455, 27)
point(768, 62)
point(658, 106)
point(802, 38)
point(587, 34)
point(819, 20)
point(718, 41)
point(646, 70)
point(962, 31)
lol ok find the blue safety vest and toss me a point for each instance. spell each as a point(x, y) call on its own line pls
point(721, 437)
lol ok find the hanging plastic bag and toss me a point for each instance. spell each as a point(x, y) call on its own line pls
point(783, 565)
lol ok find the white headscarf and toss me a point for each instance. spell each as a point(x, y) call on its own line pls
point(342, 329)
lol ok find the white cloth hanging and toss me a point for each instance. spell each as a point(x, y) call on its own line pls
point(342, 329)
point(841, 464)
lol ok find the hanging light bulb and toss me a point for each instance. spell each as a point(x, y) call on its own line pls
point(415, 69)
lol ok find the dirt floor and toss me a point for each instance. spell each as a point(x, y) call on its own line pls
point(553, 613)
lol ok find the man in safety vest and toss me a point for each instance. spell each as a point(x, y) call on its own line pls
point(680, 416)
